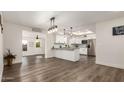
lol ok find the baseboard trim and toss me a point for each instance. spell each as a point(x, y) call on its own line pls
point(83, 54)
point(110, 65)
point(34, 55)
point(15, 62)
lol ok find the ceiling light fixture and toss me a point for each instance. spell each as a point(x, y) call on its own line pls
point(71, 31)
point(53, 27)
point(37, 37)
point(64, 32)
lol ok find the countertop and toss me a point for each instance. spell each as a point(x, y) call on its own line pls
point(65, 49)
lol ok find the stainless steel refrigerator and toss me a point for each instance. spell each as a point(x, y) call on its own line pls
point(91, 47)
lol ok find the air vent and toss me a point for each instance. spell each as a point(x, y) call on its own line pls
point(36, 29)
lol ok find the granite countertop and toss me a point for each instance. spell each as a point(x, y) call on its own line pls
point(64, 48)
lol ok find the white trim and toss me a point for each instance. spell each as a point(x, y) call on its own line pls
point(17, 62)
point(110, 65)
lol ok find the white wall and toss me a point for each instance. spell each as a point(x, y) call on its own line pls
point(109, 48)
point(49, 43)
point(12, 39)
point(30, 36)
point(1, 54)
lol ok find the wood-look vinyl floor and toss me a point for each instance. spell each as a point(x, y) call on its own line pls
point(35, 69)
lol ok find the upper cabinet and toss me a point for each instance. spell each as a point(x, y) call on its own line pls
point(61, 39)
point(75, 40)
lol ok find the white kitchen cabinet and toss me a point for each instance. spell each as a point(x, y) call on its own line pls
point(67, 54)
point(61, 39)
point(83, 51)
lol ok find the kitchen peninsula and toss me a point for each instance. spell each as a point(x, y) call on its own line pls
point(71, 54)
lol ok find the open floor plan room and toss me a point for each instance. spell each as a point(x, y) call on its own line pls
point(62, 46)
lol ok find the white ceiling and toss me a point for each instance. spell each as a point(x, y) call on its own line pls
point(63, 19)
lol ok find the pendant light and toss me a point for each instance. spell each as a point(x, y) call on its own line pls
point(37, 37)
point(64, 34)
point(53, 27)
point(71, 32)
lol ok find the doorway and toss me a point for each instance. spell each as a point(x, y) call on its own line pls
point(33, 45)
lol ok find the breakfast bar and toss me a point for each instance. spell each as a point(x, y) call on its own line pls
point(71, 54)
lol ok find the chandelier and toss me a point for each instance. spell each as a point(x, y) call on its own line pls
point(71, 32)
point(53, 27)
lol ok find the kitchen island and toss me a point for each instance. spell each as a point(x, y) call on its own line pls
point(71, 54)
